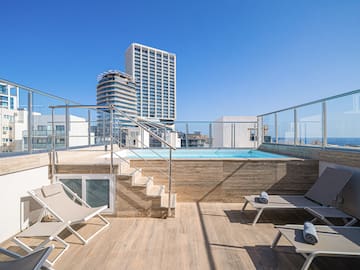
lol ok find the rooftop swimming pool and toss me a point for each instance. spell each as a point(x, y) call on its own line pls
point(199, 154)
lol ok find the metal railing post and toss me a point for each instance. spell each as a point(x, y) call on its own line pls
point(186, 135)
point(210, 135)
point(53, 142)
point(324, 127)
point(276, 129)
point(103, 130)
point(111, 142)
point(170, 180)
point(30, 121)
point(89, 128)
point(67, 126)
point(295, 127)
point(260, 128)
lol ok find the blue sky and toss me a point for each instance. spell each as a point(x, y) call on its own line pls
point(233, 57)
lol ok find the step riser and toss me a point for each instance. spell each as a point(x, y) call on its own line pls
point(139, 196)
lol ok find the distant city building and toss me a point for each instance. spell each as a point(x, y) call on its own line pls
point(194, 140)
point(154, 72)
point(235, 131)
point(42, 132)
point(117, 88)
point(9, 104)
point(9, 97)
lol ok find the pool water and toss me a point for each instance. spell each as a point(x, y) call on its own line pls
point(198, 153)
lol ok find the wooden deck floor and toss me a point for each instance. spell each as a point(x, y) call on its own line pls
point(202, 236)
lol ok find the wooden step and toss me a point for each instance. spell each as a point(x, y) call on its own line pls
point(141, 181)
point(165, 200)
point(130, 171)
point(155, 191)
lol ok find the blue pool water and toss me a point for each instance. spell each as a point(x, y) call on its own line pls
point(199, 153)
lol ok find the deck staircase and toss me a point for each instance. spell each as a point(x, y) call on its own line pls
point(135, 193)
point(143, 196)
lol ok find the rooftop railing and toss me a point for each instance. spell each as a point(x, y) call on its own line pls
point(332, 122)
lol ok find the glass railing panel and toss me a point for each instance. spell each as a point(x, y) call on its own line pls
point(199, 135)
point(285, 120)
point(103, 127)
point(42, 123)
point(343, 118)
point(78, 127)
point(95, 137)
point(245, 135)
point(181, 128)
point(14, 123)
point(268, 128)
point(309, 125)
point(223, 134)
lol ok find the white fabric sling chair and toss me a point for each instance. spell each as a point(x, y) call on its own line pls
point(48, 231)
point(53, 198)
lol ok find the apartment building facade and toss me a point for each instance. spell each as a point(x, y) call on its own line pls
point(154, 72)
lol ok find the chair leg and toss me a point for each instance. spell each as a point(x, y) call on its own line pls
point(244, 206)
point(82, 239)
point(276, 240)
point(78, 235)
point(351, 222)
point(308, 261)
point(257, 216)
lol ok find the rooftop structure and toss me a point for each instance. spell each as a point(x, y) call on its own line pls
point(202, 197)
point(154, 71)
point(235, 132)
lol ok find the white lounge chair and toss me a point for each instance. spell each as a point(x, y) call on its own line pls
point(323, 193)
point(49, 231)
point(54, 199)
point(334, 241)
point(33, 261)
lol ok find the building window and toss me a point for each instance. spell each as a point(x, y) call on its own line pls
point(96, 190)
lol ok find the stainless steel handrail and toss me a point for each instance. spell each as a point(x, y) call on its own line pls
point(111, 109)
point(144, 127)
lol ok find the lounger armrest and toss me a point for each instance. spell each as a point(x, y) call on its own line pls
point(96, 212)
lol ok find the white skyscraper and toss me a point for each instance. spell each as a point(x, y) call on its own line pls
point(154, 72)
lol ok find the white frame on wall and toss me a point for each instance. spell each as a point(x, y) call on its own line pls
point(85, 177)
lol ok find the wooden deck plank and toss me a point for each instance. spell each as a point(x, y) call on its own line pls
point(201, 236)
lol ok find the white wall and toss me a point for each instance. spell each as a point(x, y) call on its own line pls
point(239, 125)
point(13, 187)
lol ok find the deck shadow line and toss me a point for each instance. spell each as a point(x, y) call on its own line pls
point(206, 238)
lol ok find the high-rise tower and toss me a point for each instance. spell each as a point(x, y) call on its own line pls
point(118, 89)
point(154, 72)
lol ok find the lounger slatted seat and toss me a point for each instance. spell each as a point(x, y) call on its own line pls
point(336, 241)
point(54, 199)
point(323, 193)
point(33, 261)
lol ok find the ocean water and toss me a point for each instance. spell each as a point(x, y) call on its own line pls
point(331, 141)
point(344, 141)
